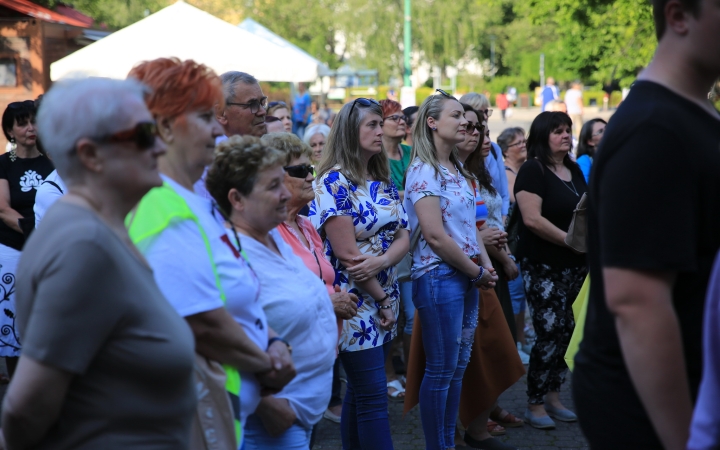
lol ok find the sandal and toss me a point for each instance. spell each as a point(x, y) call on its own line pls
point(507, 420)
point(399, 394)
point(495, 429)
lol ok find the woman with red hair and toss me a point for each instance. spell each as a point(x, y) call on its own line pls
point(196, 264)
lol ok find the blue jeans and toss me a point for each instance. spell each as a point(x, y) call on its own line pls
point(447, 305)
point(297, 437)
point(408, 307)
point(517, 293)
point(365, 423)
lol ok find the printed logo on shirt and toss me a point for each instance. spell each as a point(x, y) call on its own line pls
point(31, 180)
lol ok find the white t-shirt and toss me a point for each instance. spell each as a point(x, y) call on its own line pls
point(298, 308)
point(457, 206)
point(184, 274)
point(47, 194)
point(571, 100)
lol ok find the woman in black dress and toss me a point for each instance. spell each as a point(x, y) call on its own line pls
point(22, 171)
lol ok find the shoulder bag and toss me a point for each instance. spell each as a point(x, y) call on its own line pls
point(404, 267)
point(577, 232)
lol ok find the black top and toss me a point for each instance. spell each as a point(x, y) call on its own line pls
point(24, 176)
point(654, 205)
point(559, 199)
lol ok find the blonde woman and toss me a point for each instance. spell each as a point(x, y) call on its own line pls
point(449, 261)
point(357, 210)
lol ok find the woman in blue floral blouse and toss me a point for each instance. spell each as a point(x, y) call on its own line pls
point(358, 212)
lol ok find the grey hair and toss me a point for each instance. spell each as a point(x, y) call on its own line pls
point(230, 79)
point(507, 136)
point(82, 108)
point(477, 101)
point(312, 130)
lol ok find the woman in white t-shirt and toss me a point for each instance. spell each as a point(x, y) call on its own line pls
point(449, 261)
point(247, 181)
point(184, 239)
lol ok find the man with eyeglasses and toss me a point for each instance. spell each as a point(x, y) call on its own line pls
point(245, 106)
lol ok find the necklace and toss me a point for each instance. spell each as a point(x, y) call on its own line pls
point(573, 190)
point(310, 243)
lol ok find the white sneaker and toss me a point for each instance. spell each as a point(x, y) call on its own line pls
point(524, 357)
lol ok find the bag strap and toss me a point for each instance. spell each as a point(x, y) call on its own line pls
point(54, 184)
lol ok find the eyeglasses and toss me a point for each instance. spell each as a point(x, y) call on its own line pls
point(475, 126)
point(254, 105)
point(444, 93)
point(396, 118)
point(599, 132)
point(271, 119)
point(523, 142)
point(363, 102)
point(300, 171)
point(487, 112)
point(143, 135)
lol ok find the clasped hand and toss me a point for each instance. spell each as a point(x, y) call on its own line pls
point(344, 303)
point(488, 280)
point(282, 371)
point(368, 266)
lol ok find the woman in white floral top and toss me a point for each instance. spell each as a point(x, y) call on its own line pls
point(440, 200)
point(358, 213)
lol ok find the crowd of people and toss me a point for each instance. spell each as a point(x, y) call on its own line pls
point(187, 265)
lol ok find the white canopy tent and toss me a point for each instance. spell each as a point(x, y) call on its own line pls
point(187, 32)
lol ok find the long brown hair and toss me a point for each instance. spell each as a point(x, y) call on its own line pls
point(342, 147)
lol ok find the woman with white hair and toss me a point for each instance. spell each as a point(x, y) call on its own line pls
point(316, 136)
point(106, 362)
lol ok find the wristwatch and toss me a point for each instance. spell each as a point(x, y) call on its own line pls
point(278, 338)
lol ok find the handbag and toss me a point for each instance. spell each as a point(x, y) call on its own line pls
point(213, 425)
point(576, 237)
point(404, 267)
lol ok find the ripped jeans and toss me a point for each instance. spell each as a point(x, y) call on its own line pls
point(447, 304)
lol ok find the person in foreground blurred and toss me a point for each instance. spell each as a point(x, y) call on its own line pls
point(639, 365)
point(22, 171)
point(590, 136)
point(299, 233)
point(548, 188)
point(247, 181)
point(125, 380)
point(357, 208)
point(183, 237)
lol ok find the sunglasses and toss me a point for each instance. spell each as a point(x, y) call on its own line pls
point(300, 171)
point(364, 102)
point(274, 104)
point(396, 118)
point(253, 105)
point(271, 119)
point(475, 126)
point(143, 135)
point(444, 93)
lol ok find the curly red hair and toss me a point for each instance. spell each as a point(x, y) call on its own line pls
point(178, 86)
point(389, 107)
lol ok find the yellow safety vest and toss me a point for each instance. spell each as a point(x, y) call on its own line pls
point(158, 209)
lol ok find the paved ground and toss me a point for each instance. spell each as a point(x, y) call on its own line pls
point(407, 432)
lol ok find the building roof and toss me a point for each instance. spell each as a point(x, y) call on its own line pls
point(29, 8)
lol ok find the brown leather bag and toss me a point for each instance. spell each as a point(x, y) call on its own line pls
point(577, 232)
point(213, 427)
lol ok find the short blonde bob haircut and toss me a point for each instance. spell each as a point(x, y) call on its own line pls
point(292, 146)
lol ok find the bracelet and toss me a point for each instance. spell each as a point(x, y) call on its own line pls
point(480, 275)
point(278, 338)
point(379, 306)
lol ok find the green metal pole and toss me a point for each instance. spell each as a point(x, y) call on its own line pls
point(407, 46)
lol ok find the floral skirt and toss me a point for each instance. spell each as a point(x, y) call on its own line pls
point(9, 337)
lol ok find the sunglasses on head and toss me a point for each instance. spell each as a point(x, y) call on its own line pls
point(143, 135)
point(300, 171)
point(444, 93)
point(363, 102)
point(276, 103)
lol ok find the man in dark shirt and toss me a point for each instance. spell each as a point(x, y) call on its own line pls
point(654, 228)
